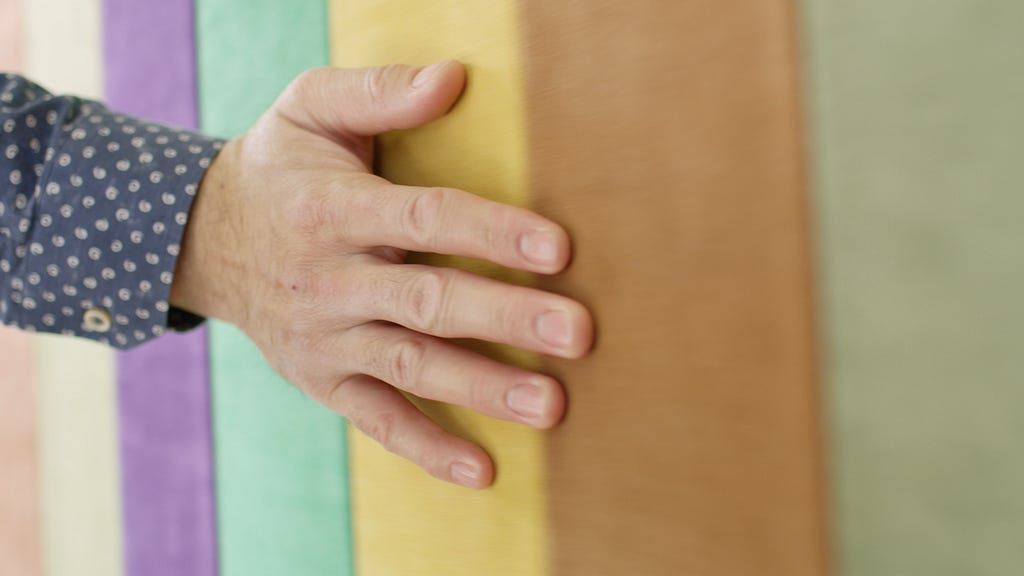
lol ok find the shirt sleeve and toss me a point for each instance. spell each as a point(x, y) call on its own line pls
point(93, 205)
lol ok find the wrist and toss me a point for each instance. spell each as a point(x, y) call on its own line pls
point(205, 271)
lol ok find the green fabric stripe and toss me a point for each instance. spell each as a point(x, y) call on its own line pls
point(917, 124)
point(281, 459)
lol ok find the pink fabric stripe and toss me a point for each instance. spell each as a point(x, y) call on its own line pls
point(10, 35)
point(20, 550)
point(163, 387)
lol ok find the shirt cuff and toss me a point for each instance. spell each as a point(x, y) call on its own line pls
point(104, 227)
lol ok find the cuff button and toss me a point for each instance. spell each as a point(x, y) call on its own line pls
point(97, 320)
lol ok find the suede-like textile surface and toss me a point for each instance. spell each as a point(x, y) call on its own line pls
point(163, 387)
point(281, 458)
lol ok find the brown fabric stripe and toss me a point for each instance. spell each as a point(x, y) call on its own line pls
point(666, 136)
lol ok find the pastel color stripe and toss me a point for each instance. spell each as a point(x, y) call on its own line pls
point(20, 548)
point(56, 30)
point(78, 458)
point(621, 491)
point(11, 39)
point(480, 146)
point(281, 458)
point(81, 510)
point(667, 137)
point(693, 443)
point(917, 128)
point(163, 389)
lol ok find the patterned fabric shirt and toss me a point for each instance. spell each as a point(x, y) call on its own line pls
point(93, 205)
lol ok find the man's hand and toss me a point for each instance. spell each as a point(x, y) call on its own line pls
point(295, 241)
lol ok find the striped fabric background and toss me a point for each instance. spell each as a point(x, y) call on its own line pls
point(796, 223)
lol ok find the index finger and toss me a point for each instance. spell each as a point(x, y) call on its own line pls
point(455, 222)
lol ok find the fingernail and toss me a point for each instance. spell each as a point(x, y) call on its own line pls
point(465, 473)
point(554, 329)
point(526, 400)
point(427, 73)
point(538, 246)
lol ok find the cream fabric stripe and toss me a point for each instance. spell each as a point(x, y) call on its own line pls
point(77, 434)
point(62, 49)
point(78, 458)
point(19, 483)
point(404, 521)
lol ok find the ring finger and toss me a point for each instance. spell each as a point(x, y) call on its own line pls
point(432, 368)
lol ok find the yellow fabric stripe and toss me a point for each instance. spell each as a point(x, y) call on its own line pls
point(78, 462)
point(405, 522)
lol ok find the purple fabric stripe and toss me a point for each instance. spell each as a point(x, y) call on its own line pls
point(163, 386)
point(149, 59)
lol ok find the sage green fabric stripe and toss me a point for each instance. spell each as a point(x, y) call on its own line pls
point(917, 145)
point(280, 458)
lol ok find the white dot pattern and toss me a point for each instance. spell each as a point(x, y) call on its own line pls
point(93, 205)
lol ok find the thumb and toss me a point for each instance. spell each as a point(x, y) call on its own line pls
point(370, 101)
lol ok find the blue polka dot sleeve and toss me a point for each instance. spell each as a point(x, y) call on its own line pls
point(93, 205)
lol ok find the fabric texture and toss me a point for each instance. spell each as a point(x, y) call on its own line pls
point(281, 467)
point(479, 146)
point(93, 205)
point(163, 387)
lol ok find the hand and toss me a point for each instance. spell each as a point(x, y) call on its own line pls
point(295, 241)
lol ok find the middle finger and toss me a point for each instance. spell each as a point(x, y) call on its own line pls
point(452, 303)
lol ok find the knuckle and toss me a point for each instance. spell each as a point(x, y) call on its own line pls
point(356, 208)
point(484, 398)
point(494, 241)
point(349, 299)
point(377, 81)
point(335, 393)
point(406, 367)
point(315, 383)
point(424, 298)
point(382, 429)
point(433, 463)
point(309, 213)
point(422, 214)
point(498, 229)
point(303, 85)
point(289, 336)
point(509, 318)
point(300, 338)
point(307, 79)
